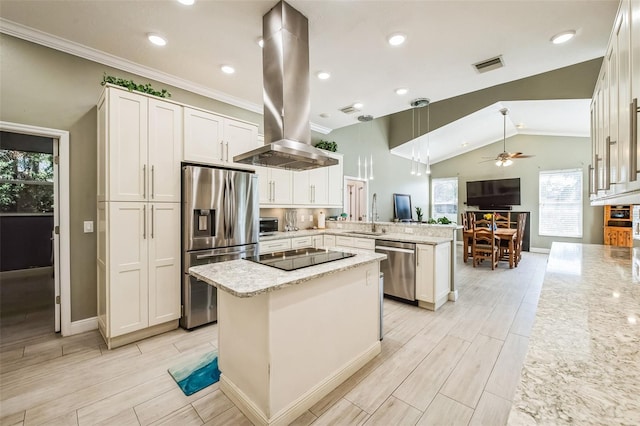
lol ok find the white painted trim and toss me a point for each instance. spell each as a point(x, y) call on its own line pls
point(64, 269)
point(539, 250)
point(45, 39)
point(84, 325)
point(295, 409)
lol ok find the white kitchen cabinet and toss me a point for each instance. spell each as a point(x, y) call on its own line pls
point(318, 241)
point(275, 245)
point(311, 187)
point(138, 269)
point(212, 139)
point(301, 242)
point(336, 184)
point(614, 136)
point(139, 145)
point(361, 243)
point(329, 241)
point(275, 186)
point(433, 274)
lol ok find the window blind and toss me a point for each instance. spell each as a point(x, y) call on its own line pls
point(445, 198)
point(560, 201)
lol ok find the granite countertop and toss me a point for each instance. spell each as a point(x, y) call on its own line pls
point(244, 278)
point(389, 236)
point(583, 363)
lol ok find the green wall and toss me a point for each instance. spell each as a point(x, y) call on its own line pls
point(391, 173)
point(47, 88)
point(551, 153)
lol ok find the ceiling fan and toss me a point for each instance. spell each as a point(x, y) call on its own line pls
point(505, 158)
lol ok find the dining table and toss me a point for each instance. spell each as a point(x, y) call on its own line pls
point(504, 234)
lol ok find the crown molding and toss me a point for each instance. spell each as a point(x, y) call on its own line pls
point(45, 39)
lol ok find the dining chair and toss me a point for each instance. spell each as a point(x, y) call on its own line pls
point(522, 221)
point(502, 221)
point(466, 227)
point(486, 244)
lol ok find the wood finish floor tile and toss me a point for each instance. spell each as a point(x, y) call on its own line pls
point(394, 412)
point(126, 417)
point(342, 413)
point(231, 417)
point(305, 419)
point(11, 419)
point(186, 416)
point(212, 405)
point(491, 410)
point(166, 403)
point(423, 384)
point(523, 321)
point(499, 322)
point(445, 411)
point(506, 373)
point(467, 380)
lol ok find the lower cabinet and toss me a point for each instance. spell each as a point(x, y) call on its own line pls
point(301, 242)
point(275, 245)
point(318, 241)
point(329, 241)
point(433, 274)
point(361, 243)
point(618, 236)
point(138, 270)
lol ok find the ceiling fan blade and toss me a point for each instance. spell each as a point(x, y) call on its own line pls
point(520, 155)
point(486, 161)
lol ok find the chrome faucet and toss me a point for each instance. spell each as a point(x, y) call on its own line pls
point(374, 212)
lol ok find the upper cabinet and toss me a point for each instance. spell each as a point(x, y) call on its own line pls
point(614, 113)
point(320, 187)
point(139, 146)
point(213, 139)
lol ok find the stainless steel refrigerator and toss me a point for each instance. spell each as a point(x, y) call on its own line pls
point(220, 222)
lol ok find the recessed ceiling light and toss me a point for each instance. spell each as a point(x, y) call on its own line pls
point(187, 2)
point(260, 42)
point(396, 39)
point(156, 39)
point(227, 69)
point(520, 126)
point(325, 115)
point(465, 144)
point(323, 75)
point(402, 91)
point(358, 105)
point(563, 37)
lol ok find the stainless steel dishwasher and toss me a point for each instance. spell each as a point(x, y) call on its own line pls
point(399, 268)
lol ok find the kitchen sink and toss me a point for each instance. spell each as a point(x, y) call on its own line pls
point(364, 233)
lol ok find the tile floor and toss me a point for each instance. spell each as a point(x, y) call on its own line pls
point(459, 365)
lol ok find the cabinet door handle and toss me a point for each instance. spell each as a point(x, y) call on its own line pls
point(221, 151)
point(144, 181)
point(607, 163)
point(591, 180)
point(417, 256)
point(152, 221)
point(633, 147)
point(227, 151)
point(596, 171)
point(144, 222)
point(153, 182)
point(273, 191)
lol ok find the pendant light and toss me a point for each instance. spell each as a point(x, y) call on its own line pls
point(420, 103)
point(413, 136)
point(368, 165)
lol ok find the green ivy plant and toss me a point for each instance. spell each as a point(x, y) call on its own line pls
point(443, 221)
point(132, 85)
point(327, 146)
point(419, 213)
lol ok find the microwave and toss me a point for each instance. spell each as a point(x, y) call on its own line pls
point(268, 225)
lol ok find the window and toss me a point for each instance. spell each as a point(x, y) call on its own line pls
point(445, 198)
point(26, 182)
point(560, 199)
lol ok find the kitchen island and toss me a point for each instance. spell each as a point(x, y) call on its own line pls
point(583, 363)
point(286, 339)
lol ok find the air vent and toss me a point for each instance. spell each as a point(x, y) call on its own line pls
point(489, 64)
point(349, 109)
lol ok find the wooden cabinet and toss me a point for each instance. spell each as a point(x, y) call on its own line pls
point(614, 112)
point(618, 230)
point(139, 145)
point(433, 272)
point(275, 186)
point(213, 139)
point(138, 268)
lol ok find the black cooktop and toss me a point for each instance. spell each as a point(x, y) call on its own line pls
point(291, 260)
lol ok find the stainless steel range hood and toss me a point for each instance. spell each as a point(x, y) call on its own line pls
point(285, 62)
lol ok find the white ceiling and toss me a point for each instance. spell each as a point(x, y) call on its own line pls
point(567, 117)
point(347, 38)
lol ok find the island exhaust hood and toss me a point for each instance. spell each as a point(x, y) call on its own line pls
point(285, 70)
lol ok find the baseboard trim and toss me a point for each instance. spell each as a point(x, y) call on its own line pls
point(302, 404)
point(84, 325)
point(30, 272)
point(539, 250)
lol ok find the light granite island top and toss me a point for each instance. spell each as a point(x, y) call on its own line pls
point(583, 363)
point(244, 278)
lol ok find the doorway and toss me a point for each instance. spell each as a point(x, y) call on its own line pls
point(34, 216)
point(355, 199)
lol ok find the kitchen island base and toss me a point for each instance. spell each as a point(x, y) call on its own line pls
point(282, 351)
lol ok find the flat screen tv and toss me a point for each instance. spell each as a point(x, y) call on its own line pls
point(402, 207)
point(491, 194)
